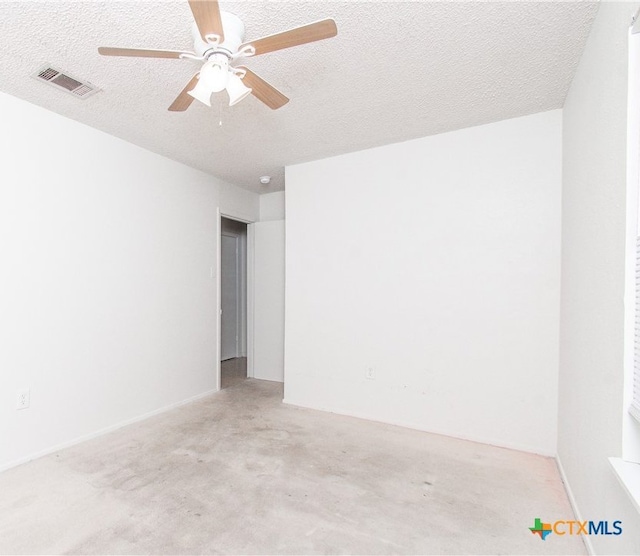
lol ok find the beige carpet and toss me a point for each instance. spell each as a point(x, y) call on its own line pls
point(240, 473)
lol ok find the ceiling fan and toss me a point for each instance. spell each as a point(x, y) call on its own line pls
point(218, 43)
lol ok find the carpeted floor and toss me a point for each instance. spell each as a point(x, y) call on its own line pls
point(238, 472)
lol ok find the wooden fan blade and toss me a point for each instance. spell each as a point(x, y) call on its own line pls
point(207, 16)
point(317, 31)
point(140, 52)
point(264, 92)
point(184, 100)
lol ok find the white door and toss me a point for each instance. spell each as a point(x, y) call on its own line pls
point(229, 292)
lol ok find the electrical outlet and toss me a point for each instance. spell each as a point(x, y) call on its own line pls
point(370, 374)
point(23, 399)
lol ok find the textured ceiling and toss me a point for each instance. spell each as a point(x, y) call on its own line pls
point(396, 71)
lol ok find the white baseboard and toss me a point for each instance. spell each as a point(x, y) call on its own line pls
point(102, 431)
point(574, 505)
point(413, 426)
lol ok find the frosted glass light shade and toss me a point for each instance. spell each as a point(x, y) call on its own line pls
point(201, 92)
point(217, 78)
point(213, 78)
point(237, 89)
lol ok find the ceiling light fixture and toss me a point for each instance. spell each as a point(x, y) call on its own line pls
point(237, 89)
point(216, 75)
point(204, 87)
point(265, 180)
point(218, 42)
point(202, 91)
point(219, 72)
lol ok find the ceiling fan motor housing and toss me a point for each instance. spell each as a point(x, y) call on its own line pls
point(233, 37)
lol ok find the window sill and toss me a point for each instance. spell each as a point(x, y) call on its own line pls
point(628, 475)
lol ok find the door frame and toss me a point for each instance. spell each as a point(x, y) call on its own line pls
point(238, 295)
point(250, 311)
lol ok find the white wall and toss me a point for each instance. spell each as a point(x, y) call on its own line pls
point(108, 307)
point(272, 206)
point(436, 263)
point(269, 291)
point(268, 236)
point(593, 263)
point(237, 203)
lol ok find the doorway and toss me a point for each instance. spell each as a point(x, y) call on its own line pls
point(233, 302)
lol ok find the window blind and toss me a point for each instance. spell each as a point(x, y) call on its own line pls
point(635, 403)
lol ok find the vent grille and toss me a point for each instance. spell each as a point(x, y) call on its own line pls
point(83, 90)
point(65, 82)
point(47, 74)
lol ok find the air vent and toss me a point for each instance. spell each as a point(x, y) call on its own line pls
point(64, 82)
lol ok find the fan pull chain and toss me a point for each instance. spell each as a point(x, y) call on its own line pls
point(220, 117)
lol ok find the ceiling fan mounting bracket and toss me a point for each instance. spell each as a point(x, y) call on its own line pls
point(240, 72)
point(219, 50)
point(212, 39)
point(246, 51)
point(208, 54)
point(189, 56)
